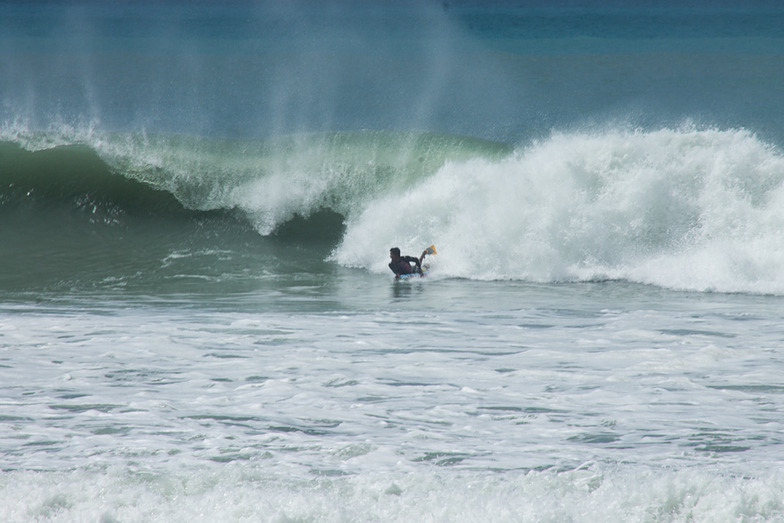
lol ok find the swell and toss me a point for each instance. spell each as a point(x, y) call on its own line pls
point(71, 221)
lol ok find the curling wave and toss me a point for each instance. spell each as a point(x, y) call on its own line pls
point(682, 208)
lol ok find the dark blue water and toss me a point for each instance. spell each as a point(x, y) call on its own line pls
point(498, 70)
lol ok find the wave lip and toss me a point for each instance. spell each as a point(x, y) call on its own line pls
point(679, 208)
point(270, 181)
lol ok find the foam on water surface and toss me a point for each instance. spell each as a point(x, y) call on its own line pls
point(681, 208)
point(465, 401)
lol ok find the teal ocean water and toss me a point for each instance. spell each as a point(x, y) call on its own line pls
point(197, 202)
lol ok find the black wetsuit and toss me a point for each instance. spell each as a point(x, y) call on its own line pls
point(403, 266)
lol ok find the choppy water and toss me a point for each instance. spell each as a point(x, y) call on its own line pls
point(362, 399)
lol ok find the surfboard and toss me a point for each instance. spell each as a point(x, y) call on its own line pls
point(425, 270)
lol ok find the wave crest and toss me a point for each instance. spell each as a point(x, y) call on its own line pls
point(273, 180)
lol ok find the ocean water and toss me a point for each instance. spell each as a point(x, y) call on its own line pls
point(197, 321)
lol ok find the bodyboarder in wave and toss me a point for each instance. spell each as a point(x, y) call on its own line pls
point(401, 265)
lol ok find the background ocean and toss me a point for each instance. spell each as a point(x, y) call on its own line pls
point(197, 200)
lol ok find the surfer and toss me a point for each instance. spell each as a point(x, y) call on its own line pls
point(401, 265)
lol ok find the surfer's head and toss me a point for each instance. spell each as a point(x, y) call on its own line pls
point(394, 253)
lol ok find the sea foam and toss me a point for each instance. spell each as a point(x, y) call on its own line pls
point(587, 494)
point(681, 208)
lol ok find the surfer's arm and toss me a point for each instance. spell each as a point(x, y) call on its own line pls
point(411, 259)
